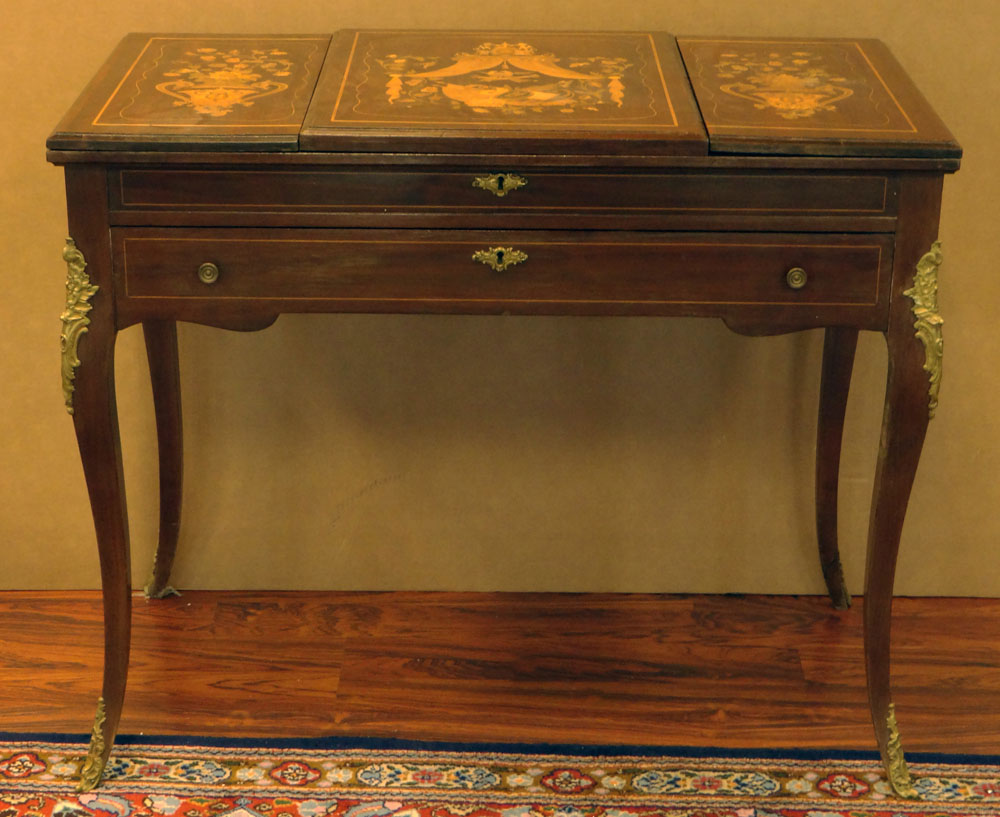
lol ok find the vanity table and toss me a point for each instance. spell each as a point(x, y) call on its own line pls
point(778, 185)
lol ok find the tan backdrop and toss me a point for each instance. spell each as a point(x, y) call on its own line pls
point(501, 453)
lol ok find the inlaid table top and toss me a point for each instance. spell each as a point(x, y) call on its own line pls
point(480, 91)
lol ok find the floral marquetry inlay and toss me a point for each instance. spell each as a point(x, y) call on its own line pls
point(509, 78)
point(557, 81)
point(215, 81)
point(792, 85)
point(212, 85)
point(825, 97)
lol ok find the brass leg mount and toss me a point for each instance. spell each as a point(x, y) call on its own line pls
point(74, 318)
point(895, 762)
point(926, 319)
point(93, 766)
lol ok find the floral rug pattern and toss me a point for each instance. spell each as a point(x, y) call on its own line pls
point(190, 780)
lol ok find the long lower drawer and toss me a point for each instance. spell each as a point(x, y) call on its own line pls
point(528, 271)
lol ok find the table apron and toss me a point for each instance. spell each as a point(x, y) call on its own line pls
point(493, 190)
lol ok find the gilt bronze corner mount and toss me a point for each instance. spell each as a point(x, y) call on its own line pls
point(927, 321)
point(74, 318)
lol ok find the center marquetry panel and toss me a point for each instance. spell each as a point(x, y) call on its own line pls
point(500, 271)
point(612, 92)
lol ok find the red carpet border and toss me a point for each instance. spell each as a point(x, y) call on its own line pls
point(37, 779)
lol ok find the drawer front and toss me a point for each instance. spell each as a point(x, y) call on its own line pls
point(463, 271)
point(500, 190)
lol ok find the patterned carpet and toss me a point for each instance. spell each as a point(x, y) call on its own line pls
point(191, 777)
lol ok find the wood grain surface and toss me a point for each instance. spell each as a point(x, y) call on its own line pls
point(725, 671)
point(493, 91)
point(172, 91)
point(810, 96)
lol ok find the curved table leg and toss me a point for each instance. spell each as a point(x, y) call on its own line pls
point(839, 346)
point(914, 341)
point(161, 351)
point(88, 343)
point(903, 428)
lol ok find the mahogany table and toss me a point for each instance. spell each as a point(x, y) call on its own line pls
point(779, 185)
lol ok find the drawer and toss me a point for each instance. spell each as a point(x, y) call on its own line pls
point(499, 190)
point(495, 271)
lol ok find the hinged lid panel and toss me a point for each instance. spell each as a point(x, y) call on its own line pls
point(212, 92)
point(495, 92)
point(810, 97)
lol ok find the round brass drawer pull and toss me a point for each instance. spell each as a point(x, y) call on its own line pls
point(796, 278)
point(208, 273)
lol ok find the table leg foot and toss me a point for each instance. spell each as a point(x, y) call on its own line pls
point(153, 590)
point(895, 762)
point(839, 346)
point(97, 756)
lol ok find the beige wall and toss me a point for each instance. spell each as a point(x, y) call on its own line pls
point(449, 452)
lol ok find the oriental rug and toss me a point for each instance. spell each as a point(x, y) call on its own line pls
point(201, 777)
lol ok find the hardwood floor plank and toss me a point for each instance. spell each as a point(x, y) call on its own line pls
point(728, 671)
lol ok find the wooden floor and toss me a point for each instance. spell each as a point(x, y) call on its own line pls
point(725, 671)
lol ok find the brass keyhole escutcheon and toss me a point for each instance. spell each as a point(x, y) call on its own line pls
point(500, 258)
point(208, 273)
point(500, 184)
point(796, 278)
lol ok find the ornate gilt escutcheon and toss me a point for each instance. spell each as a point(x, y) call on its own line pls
point(927, 321)
point(74, 318)
point(93, 766)
point(500, 258)
point(899, 774)
point(499, 184)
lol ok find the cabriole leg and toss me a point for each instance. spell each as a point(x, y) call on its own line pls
point(161, 351)
point(88, 342)
point(911, 397)
point(839, 346)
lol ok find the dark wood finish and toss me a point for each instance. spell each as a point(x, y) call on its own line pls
point(216, 92)
point(573, 272)
point(593, 668)
point(839, 346)
point(95, 419)
point(199, 156)
point(373, 207)
point(165, 374)
point(499, 92)
point(833, 97)
point(375, 188)
point(710, 197)
point(904, 425)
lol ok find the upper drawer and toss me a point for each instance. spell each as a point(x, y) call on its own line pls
point(498, 190)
